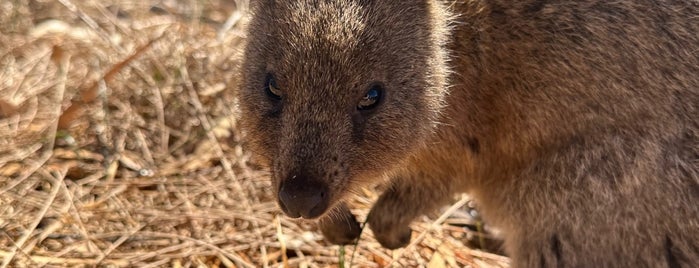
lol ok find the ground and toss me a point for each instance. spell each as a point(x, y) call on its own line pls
point(119, 148)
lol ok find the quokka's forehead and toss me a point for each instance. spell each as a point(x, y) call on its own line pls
point(339, 25)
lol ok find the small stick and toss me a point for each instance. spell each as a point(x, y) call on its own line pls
point(282, 241)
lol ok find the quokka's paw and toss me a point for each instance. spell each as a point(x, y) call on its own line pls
point(340, 230)
point(388, 230)
point(392, 237)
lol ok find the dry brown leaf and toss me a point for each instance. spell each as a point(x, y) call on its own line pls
point(380, 260)
point(7, 109)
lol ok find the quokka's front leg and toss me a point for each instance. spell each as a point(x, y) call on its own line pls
point(399, 205)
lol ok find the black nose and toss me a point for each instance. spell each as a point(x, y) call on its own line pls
point(300, 196)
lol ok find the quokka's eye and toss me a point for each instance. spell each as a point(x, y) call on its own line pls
point(372, 99)
point(271, 88)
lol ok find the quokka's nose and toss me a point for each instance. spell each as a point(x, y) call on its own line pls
point(300, 196)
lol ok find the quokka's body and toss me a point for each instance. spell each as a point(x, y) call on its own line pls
point(573, 124)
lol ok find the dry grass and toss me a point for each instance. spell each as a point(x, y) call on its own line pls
point(118, 148)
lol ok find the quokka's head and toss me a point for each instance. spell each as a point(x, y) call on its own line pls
point(337, 93)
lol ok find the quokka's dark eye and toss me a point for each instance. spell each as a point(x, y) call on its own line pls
point(372, 99)
point(271, 88)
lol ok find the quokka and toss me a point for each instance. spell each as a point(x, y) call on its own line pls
point(573, 124)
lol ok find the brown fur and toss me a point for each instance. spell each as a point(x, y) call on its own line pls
point(574, 124)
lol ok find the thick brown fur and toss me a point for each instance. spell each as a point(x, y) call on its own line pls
point(573, 124)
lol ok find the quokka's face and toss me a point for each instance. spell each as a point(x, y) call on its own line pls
point(336, 93)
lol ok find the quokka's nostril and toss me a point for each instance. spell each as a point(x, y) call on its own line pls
point(285, 198)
